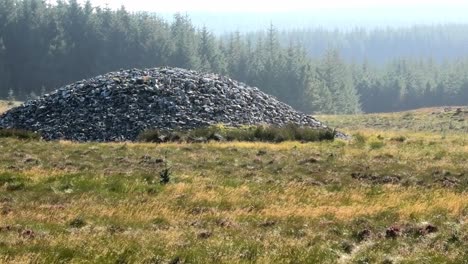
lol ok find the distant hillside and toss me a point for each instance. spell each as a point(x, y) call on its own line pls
point(379, 46)
point(436, 119)
point(373, 36)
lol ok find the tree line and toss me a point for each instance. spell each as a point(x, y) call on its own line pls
point(44, 46)
point(380, 46)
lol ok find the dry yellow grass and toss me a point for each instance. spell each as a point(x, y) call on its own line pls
point(4, 105)
point(438, 120)
point(231, 203)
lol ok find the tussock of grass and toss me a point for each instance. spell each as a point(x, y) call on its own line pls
point(19, 134)
point(275, 134)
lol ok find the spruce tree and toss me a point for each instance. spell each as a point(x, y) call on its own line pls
point(184, 40)
point(211, 59)
point(333, 77)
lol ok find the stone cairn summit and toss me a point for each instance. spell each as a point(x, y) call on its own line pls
point(119, 105)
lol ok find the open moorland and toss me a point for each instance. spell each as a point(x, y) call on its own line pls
point(395, 193)
point(439, 120)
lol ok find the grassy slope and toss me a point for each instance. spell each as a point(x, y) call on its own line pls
point(4, 105)
point(437, 120)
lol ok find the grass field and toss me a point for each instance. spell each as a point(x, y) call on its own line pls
point(435, 119)
point(390, 195)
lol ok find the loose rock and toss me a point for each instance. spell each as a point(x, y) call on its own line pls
point(428, 229)
point(393, 232)
point(364, 234)
point(205, 234)
point(119, 105)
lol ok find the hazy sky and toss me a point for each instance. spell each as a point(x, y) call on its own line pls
point(222, 16)
point(277, 6)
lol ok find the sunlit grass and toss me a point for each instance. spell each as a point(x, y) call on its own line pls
point(438, 120)
point(5, 105)
point(236, 202)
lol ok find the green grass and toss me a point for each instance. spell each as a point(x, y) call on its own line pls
point(19, 134)
point(238, 202)
point(436, 120)
point(235, 202)
point(260, 133)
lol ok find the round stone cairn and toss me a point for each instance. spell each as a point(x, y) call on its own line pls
point(117, 106)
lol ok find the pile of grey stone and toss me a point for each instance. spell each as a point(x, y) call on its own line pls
point(119, 105)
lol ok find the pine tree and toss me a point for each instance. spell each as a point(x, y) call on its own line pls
point(295, 78)
point(334, 79)
point(185, 43)
point(321, 97)
point(7, 13)
point(211, 59)
point(274, 63)
point(237, 59)
point(11, 97)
